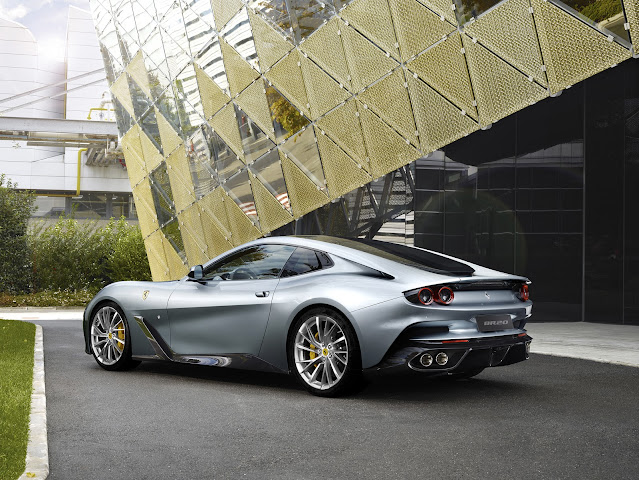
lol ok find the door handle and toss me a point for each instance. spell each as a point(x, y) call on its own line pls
point(261, 294)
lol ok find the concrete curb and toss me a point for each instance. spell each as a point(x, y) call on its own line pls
point(37, 460)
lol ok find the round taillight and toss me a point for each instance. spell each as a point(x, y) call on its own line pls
point(445, 295)
point(426, 296)
point(524, 293)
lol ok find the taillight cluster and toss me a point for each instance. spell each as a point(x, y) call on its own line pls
point(524, 292)
point(443, 295)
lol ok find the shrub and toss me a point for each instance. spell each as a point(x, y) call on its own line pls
point(15, 209)
point(127, 258)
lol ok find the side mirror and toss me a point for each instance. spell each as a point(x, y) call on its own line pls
point(197, 273)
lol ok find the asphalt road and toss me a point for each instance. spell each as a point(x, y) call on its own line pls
point(550, 417)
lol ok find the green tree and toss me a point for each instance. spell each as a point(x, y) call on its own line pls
point(16, 207)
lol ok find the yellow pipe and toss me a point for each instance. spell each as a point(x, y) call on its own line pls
point(99, 108)
point(77, 188)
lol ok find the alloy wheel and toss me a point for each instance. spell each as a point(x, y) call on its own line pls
point(108, 335)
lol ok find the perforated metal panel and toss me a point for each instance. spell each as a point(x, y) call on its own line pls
point(500, 89)
point(439, 122)
point(193, 235)
point(133, 155)
point(217, 239)
point(144, 206)
point(271, 212)
point(286, 75)
point(225, 125)
point(213, 98)
point(152, 156)
point(303, 194)
point(180, 178)
point(270, 45)
point(631, 8)
point(170, 139)
point(120, 90)
point(509, 31)
point(240, 74)
point(387, 150)
point(253, 101)
point(325, 48)
point(157, 258)
point(388, 98)
point(224, 10)
point(416, 26)
point(444, 68)
point(373, 19)
point(343, 174)
point(138, 73)
point(572, 50)
point(366, 62)
point(344, 128)
point(241, 227)
point(176, 266)
point(322, 91)
point(443, 7)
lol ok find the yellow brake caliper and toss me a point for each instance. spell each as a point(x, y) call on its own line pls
point(121, 335)
point(312, 354)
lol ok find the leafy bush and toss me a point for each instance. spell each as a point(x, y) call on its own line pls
point(15, 209)
point(127, 258)
point(601, 9)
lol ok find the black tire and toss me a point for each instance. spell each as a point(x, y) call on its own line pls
point(351, 379)
point(471, 372)
point(108, 311)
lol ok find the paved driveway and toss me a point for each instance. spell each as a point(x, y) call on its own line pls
point(550, 417)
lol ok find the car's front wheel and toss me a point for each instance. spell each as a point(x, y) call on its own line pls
point(110, 338)
point(324, 353)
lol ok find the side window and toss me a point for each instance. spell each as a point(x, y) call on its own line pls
point(255, 263)
point(304, 260)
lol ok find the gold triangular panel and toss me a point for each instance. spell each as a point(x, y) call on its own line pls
point(632, 15)
point(509, 31)
point(572, 50)
point(271, 213)
point(143, 205)
point(499, 88)
point(157, 257)
point(387, 150)
point(303, 194)
point(388, 98)
point(286, 75)
point(213, 205)
point(366, 62)
point(213, 98)
point(344, 128)
point(322, 91)
point(372, 18)
point(120, 90)
point(132, 149)
point(253, 102)
point(443, 67)
point(416, 27)
point(217, 240)
point(170, 139)
point(225, 125)
point(177, 269)
point(439, 122)
point(325, 48)
point(442, 7)
point(193, 235)
point(137, 70)
point(224, 10)
point(239, 73)
point(152, 156)
point(269, 44)
point(180, 179)
point(240, 225)
point(342, 173)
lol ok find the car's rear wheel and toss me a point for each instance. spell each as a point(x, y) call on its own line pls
point(324, 353)
point(110, 338)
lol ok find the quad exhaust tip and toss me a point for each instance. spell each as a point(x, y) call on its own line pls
point(427, 359)
point(441, 359)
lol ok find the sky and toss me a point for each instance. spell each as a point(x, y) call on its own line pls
point(47, 20)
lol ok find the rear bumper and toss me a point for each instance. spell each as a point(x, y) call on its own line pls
point(495, 351)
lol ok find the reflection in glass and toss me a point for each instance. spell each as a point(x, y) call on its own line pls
point(176, 44)
point(122, 117)
point(111, 42)
point(604, 14)
point(308, 15)
point(210, 60)
point(227, 162)
point(162, 194)
point(141, 102)
point(187, 96)
point(238, 35)
point(467, 9)
point(198, 30)
point(274, 11)
point(143, 19)
point(201, 155)
point(168, 106)
point(171, 231)
point(155, 63)
point(149, 123)
point(255, 263)
point(239, 189)
point(254, 142)
point(302, 149)
point(268, 170)
point(287, 119)
point(128, 32)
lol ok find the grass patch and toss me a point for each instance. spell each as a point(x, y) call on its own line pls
point(47, 298)
point(16, 377)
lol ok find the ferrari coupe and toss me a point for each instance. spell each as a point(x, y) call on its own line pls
point(325, 309)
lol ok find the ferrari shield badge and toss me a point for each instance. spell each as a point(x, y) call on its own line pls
point(145, 294)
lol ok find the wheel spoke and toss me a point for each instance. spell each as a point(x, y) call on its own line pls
point(327, 335)
point(117, 339)
point(340, 339)
point(310, 342)
point(334, 368)
point(337, 356)
point(307, 367)
point(302, 347)
point(310, 334)
point(320, 337)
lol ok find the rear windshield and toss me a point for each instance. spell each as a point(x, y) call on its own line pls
point(412, 257)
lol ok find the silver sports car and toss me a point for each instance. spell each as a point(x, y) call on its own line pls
point(324, 309)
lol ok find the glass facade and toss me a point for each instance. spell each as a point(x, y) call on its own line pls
point(87, 206)
point(547, 193)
